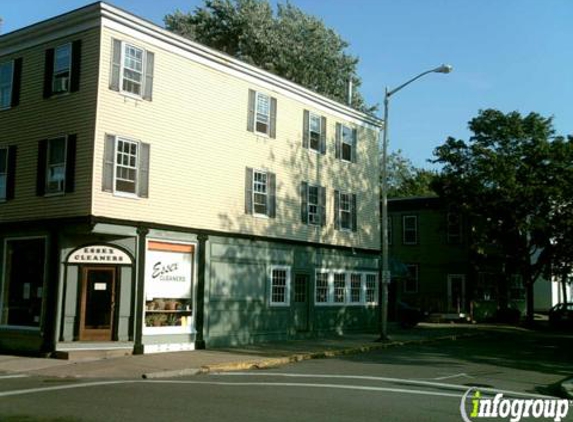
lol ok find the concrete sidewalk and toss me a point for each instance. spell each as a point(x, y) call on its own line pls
point(234, 358)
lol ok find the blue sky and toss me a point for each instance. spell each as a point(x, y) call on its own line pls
point(509, 55)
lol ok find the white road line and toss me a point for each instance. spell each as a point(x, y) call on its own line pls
point(229, 384)
point(385, 379)
point(3, 377)
point(61, 387)
point(453, 376)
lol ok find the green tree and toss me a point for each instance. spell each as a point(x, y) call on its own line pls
point(406, 180)
point(290, 43)
point(514, 178)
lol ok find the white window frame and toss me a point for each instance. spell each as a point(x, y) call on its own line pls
point(416, 279)
point(67, 70)
point(327, 302)
point(10, 85)
point(341, 211)
point(317, 214)
point(344, 141)
point(124, 46)
point(361, 288)
point(4, 175)
point(256, 114)
point(376, 287)
point(404, 230)
point(317, 117)
point(287, 287)
point(136, 168)
point(4, 281)
point(49, 166)
point(266, 193)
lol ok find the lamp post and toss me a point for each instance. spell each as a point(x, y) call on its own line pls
point(385, 273)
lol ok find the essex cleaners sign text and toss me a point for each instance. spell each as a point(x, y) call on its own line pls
point(99, 254)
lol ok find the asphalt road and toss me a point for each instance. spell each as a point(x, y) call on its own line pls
point(409, 383)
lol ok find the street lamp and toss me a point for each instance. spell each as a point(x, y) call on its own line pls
point(385, 273)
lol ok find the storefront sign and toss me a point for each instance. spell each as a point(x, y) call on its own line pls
point(168, 270)
point(99, 254)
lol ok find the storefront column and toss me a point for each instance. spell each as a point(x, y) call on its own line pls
point(142, 233)
point(200, 302)
point(52, 255)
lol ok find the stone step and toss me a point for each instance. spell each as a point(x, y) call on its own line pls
point(91, 354)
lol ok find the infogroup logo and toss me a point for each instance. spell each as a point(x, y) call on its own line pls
point(515, 409)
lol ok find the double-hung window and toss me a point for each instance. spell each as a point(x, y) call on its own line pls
point(321, 288)
point(126, 166)
point(132, 70)
point(345, 211)
point(262, 114)
point(313, 201)
point(355, 287)
point(62, 68)
point(371, 291)
point(280, 286)
point(409, 229)
point(314, 132)
point(339, 282)
point(56, 166)
point(3, 173)
point(6, 77)
point(260, 193)
point(346, 143)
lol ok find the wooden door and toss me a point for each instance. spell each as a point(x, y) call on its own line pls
point(97, 304)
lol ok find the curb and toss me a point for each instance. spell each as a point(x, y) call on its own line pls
point(298, 357)
point(567, 388)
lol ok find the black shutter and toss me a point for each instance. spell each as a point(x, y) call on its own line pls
point(41, 168)
point(48, 72)
point(272, 197)
point(305, 128)
point(108, 163)
point(71, 163)
point(11, 173)
point(322, 207)
point(338, 140)
point(149, 65)
point(251, 111)
point(16, 82)
point(143, 184)
point(336, 209)
point(76, 66)
point(115, 65)
point(354, 214)
point(304, 202)
point(273, 128)
point(354, 146)
point(323, 135)
point(249, 191)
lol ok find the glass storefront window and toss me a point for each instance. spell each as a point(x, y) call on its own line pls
point(23, 288)
point(168, 288)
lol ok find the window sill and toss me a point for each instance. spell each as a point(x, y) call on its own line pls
point(263, 216)
point(5, 108)
point(126, 195)
point(130, 96)
point(54, 194)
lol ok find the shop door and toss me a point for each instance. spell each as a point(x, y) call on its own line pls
point(301, 302)
point(456, 293)
point(97, 303)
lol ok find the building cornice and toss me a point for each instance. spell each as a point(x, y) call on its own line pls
point(104, 14)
